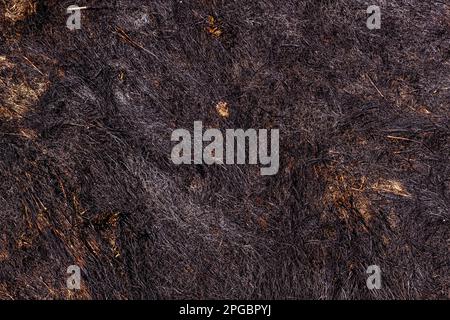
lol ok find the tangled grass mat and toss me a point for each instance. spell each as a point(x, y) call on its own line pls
point(86, 177)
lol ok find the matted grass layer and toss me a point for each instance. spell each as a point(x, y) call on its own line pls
point(85, 170)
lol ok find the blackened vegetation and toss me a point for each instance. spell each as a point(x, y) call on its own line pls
point(85, 170)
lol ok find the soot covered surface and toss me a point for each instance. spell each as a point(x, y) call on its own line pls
point(85, 170)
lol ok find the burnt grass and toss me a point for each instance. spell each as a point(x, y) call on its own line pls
point(86, 177)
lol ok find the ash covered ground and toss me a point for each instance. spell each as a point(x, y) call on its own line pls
point(85, 171)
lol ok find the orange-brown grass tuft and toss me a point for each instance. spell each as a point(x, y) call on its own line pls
point(18, 93)
point(19, 10)
point(347, 194)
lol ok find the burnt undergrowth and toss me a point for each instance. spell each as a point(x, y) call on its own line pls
point(85, 170)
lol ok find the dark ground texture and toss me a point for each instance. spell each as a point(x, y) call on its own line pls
point(85, 170)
